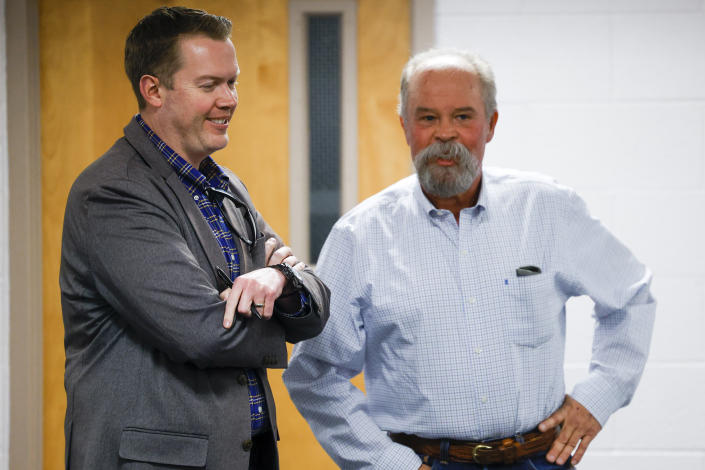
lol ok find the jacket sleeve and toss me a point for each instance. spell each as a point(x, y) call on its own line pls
point(128, 245)
point(311, 323)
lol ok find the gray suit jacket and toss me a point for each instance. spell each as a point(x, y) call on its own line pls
point(152, 378)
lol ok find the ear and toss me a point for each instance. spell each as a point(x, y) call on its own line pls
point(403, 126)
point(149, 89)
point(492, 124)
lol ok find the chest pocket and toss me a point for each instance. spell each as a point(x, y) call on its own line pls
point(531, 319)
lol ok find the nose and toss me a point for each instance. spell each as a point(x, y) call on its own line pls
point(227, 98)
point(446, 131)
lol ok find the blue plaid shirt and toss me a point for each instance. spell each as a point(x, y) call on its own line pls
point(196, 183)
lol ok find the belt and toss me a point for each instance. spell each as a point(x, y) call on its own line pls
point(503, 451)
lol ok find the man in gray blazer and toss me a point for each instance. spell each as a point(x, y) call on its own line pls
point(165, 362)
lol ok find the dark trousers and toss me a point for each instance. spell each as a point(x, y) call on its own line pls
point(537, 462)
point(263, 455)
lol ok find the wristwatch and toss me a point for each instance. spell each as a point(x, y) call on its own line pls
point(292, 276)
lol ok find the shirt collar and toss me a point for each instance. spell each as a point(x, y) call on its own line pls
point(485, 194)
point(208, 173)
point(428, 208)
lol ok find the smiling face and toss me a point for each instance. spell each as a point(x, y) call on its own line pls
point(193, 115)
point(445, 107)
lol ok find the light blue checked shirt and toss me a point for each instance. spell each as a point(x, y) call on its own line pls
point(453, 343)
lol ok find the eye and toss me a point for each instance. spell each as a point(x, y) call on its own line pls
point(232, 84)
point(427, 118)
point(209, 86)
point(463, 117)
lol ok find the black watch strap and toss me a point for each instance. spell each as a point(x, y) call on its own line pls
point(292, 277)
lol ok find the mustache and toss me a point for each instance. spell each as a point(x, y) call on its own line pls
point(454, 151)
point(446, 181)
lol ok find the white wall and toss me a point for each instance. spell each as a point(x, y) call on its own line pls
point(4, 260)
point(608, 96)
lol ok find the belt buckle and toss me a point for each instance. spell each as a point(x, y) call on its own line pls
point(478, 447)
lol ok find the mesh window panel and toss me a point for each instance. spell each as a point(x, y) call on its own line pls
point(324, 91)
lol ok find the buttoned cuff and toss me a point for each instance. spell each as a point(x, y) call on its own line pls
point(599, 396)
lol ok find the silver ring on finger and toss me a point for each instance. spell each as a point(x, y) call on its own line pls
point(253, 309)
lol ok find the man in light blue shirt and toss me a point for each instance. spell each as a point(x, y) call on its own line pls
point(449, 291)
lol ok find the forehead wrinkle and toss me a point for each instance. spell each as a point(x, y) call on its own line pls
point(427, 78)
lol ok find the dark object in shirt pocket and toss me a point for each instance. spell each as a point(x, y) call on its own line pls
point(528, 271)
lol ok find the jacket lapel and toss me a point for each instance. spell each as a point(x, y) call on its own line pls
point(138, 139)
point(237, 218)
point(254, 255)
point(200, 226)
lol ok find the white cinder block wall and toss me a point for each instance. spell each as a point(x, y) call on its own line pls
point(608, 96)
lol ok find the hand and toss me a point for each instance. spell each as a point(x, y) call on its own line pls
point(262, 286)
point(283, 254)
point(424, 467)
point(577, 425)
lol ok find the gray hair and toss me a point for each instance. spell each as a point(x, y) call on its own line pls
point(442, 59)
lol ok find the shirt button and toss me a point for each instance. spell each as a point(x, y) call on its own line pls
point(478, 350)
point(232, 257)
point(247, 445)
point(464, 252)
point(195, 198)
point(472, 300)
point(484, 399)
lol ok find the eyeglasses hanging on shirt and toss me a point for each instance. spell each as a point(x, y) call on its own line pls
point(220, 197)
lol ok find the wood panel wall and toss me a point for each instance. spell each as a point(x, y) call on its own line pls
point(86, 101)
point(383, 49)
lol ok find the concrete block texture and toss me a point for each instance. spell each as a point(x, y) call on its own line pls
point(659, 56)
point(554, 58)
point(605, 146)
point(678, 332)
point(665, 229)
point(513, 7)
point(608, 96)
point(680, 324)
point(665, 413)
point(645, 460)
